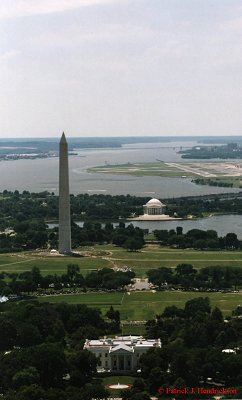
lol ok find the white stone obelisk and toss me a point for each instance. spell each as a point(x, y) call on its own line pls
point(64, 199)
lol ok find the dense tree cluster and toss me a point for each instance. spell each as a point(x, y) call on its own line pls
point(230, 150)
point(212, 182)
point(41, 354)
point(197, 206)
point(193, 339)
point(23, 216)
point(24, 235)
point(127, 237)
point(17, 207)
point(198, 239)
point(31, 281)
point(187, 277)
point(23, 206)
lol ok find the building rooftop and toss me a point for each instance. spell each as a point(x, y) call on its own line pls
point(125, 342)
point(154, 203)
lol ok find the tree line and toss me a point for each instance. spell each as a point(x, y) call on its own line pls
point(185, 276)
point(198, 239)
point(191, 354)
point(16, 206)
point(23, 220)
point(41, 350)
point(212, 182)
point(32, 281)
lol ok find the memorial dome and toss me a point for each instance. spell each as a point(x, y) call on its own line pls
point(154, 207)
point(154, 203)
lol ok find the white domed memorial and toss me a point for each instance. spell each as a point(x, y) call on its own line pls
point(154, 210)
point(154, 207)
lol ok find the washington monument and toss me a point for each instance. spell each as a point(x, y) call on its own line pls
point(64, 199)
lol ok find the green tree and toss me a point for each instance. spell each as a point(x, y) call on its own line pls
point(82, 367)
point(185, 269)
point(32, 392)
point(26, 377)
point(8, 333)
point(72, 271)
point(198, 305)
point(134, 244)
point(231, 241)
point(49, 359)
point(216, 315)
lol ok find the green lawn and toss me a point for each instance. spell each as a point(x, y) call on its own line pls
point(141, 306)
point(146, 169)
point(49, 265)
point(111, 256)
point(152, 257)
point(96, 299)
point(112, 380)
point(133, 329)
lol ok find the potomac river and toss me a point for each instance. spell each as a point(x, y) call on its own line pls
point(42, 174)
point(222, 224)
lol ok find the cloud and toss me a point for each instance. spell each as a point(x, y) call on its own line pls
point(9, 55)
point(110, 33)
point(233, 26)
point(24, 8)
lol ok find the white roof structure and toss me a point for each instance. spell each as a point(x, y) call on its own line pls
point(229, 351)
point(121, 346)
point(120, 354)
point(155, 203)
point(3, 299)
point(122, 342)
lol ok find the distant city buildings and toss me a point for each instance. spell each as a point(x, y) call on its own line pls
point(120, 354)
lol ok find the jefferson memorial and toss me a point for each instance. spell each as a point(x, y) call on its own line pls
point(154, 207)
point(154, 210)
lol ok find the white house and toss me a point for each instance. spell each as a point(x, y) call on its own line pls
point(120, 354)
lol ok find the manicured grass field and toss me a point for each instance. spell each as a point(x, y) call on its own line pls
point(114, 380)
point(96, 298)
point(140, 306)
point(155, 257)
point(111, 256)
point(20, 262)
point(133, 329)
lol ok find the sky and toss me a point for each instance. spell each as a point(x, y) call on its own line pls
point(120, 68)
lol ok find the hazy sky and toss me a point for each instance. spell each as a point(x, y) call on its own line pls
point(120, 67)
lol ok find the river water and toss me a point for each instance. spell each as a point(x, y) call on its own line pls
point(222, 224)
point(42, 174)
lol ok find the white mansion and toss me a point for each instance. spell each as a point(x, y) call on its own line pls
point(120, 354)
